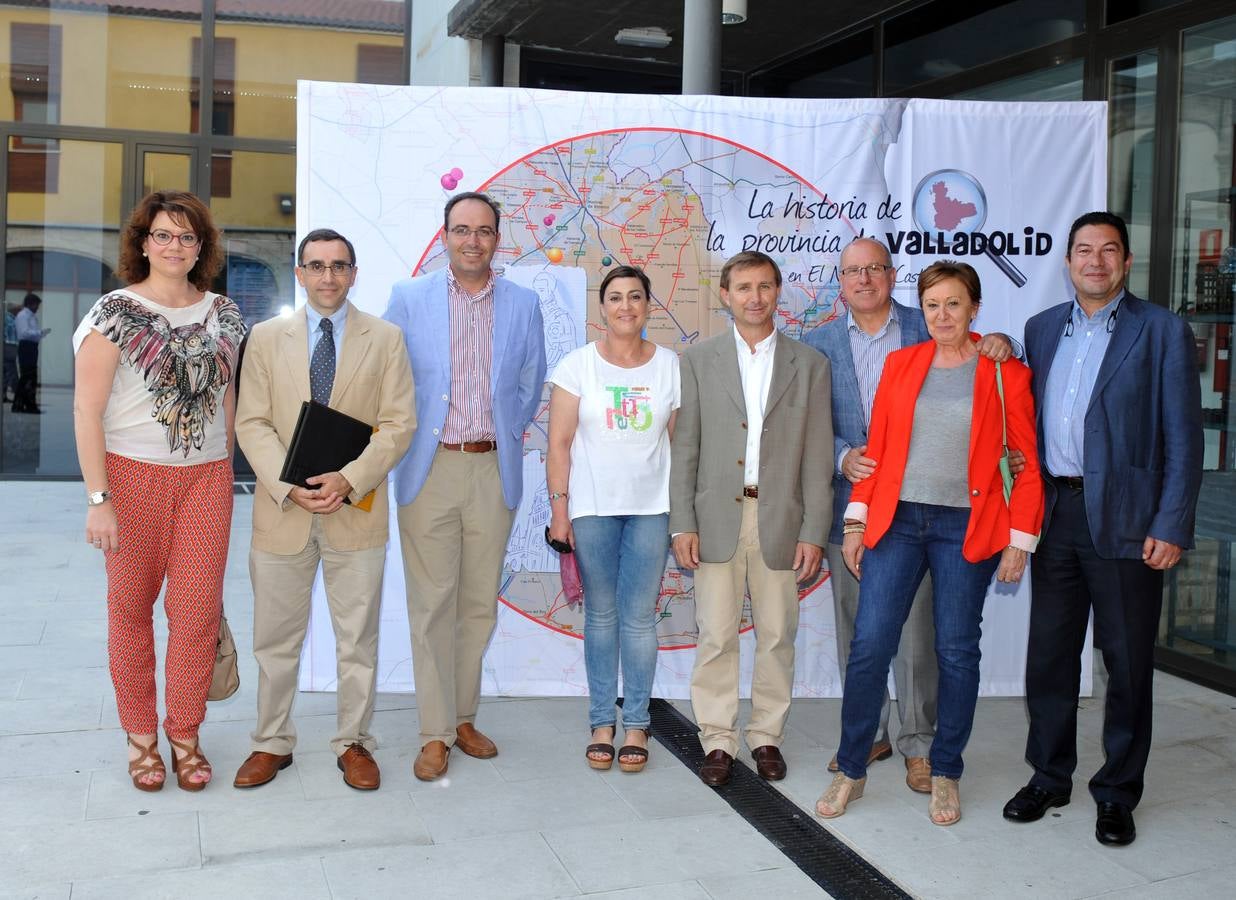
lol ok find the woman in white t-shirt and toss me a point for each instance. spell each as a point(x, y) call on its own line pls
point(611, 417)
point(152, 408)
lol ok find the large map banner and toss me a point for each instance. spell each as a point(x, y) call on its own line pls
point(677, 185)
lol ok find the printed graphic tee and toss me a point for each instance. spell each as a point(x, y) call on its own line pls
point(620, 458)
point(166, 403)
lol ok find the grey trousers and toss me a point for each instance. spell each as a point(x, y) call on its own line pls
point(914, 667)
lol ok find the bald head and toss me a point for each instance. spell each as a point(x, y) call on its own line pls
point(870, 245)
point(867, 292)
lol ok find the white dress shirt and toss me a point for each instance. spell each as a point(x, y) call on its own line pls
point(28, 328)
point(755, 371)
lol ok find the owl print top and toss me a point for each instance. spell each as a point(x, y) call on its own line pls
point(166, 404)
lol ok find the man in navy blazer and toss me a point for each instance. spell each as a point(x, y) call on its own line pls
point(477, 349)
point(856, 343)
point(1120, 442)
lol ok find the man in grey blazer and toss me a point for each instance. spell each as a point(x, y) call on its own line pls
point(857, 343)
point(750, 497)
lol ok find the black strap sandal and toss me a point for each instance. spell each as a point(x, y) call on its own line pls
point(631, 750)
point(607, 753)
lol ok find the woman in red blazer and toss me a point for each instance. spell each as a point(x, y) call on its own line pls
point(934, 503)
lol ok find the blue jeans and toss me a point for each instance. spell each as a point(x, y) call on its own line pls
point(921, 538)
point(621, 561)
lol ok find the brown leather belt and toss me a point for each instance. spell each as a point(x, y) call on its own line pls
point(1072, 482)
point(471, 446)
point(752, 491)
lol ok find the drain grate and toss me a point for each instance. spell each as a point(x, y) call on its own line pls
point(821, 856)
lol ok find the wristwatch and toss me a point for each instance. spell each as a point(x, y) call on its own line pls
point(97, 498)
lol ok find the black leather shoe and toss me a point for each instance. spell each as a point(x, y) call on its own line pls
point(1031, 802)
point(716, 768)
point(1114, 825)
point(769, 763)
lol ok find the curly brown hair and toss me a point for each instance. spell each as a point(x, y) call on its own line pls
point(187, 211)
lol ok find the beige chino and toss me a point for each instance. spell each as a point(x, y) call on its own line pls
point(354, 594)
point(454, 537)
point(719, 590)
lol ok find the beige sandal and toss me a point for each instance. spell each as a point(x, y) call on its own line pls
point(840, 793)
point(191, 763)
point(149, 762)
point(945, 805)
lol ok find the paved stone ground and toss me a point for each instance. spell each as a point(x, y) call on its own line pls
point(532, 822)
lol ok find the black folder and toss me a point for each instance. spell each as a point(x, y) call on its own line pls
point(325, 440)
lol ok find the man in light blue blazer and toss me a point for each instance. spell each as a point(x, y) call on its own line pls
point(477, 348)
point(857, 343)
point(1118, 402)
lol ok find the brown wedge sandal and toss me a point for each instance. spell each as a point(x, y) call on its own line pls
point(640, 754)
point(189, 764)
point(148, 763)
point(600, 755)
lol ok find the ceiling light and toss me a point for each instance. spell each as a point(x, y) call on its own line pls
point(733, 12)
point(643, 37)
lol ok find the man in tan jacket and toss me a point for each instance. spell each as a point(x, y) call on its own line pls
point(750, 507)
point(334, 353)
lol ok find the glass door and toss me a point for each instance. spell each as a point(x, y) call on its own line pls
point(61, 236)
point(1199, 627)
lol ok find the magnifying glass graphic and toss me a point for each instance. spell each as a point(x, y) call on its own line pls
point(949, 201)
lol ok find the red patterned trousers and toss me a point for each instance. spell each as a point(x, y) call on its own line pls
point(174, 522)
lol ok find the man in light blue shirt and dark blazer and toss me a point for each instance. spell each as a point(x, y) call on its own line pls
point(857, 344)
point(477, 347)
point(1120, 439)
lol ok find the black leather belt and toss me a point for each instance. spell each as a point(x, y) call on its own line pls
point(752, 491)
point(1072, 482)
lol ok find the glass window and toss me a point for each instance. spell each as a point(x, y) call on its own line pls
point(1130, 152)
point(1198, 615)
point(258, 220)
point(945, 38)
point(1063, 82)
point(1123, 10)
point(63, 247)
point(842, 69)
point(255, 77)
point(113, 65)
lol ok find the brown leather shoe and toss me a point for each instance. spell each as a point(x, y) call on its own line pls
point(918, 774)
point(716, 768)
point(260, 768)
point(769, 763)
point(473, 743)
point(879, 750)
point(430, 763)
point(359, 769)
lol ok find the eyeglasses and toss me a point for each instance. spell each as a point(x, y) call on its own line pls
point(163, 238)
point(317, 268)
point(463, 232)
point(874, 270)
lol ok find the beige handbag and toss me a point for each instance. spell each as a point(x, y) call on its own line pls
point(226, 679)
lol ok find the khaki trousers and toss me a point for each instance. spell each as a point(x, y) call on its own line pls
point(719, 589)
point(453, 536)
point(914, 666)
point(282, 594)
